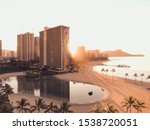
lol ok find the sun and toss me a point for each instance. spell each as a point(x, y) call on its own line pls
point(72, 50)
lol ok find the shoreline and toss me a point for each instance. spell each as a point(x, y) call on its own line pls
point(117, 89)
point(6, 75)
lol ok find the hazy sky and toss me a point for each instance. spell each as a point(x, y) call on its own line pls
point(102, 24)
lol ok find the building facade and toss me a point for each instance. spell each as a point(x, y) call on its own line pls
point(37, 47)
point(81, 53)
point(54, 51)
point(8, 54)
point(0, 48)
point(25, 47)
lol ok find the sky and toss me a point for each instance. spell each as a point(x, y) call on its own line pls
point(95, 24)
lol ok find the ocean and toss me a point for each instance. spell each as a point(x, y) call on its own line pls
point(137, 65)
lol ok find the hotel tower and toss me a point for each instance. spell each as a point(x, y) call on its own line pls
point(54, 50)
point(25, 47)
point(0, 48)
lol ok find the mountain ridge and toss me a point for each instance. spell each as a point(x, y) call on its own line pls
point(119, 53)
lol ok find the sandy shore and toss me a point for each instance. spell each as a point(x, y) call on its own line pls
point(6, 75)
point(118, 88)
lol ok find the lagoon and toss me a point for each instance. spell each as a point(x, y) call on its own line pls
point(55, 89)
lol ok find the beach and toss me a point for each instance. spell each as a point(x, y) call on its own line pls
point(6, 75)
point(118, 88)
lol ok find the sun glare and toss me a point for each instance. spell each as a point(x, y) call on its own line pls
point(72, 50)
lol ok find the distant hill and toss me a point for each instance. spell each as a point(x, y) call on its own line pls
point(119, 53)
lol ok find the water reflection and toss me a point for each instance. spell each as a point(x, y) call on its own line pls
point(55, 89)
point(45, 86)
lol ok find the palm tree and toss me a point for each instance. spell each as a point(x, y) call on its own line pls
point(7, 89)
point(98, 108)
point(135, 76)
point(129, 103)
point(3, 98)
point(64, 107)
point(142, 75)
point(39, 104)
point(148, 77)
point(102, 70)
point(6, 107)
point(51, 108)
point(113, 71)
point(106, 72)
point(23, 106)
point(126, 76)
point(111, 109)
point(139, 104)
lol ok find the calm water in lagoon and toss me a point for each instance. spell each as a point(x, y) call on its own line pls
point(55, 89)
point(137, 65)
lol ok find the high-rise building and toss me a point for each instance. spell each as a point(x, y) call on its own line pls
point(81, 53)
point(0, 48)
point(20, 47)
point(8, 54)
point(25, 47)
point(54, 51)
point(37, 47)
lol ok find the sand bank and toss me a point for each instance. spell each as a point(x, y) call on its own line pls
point(6, 75)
